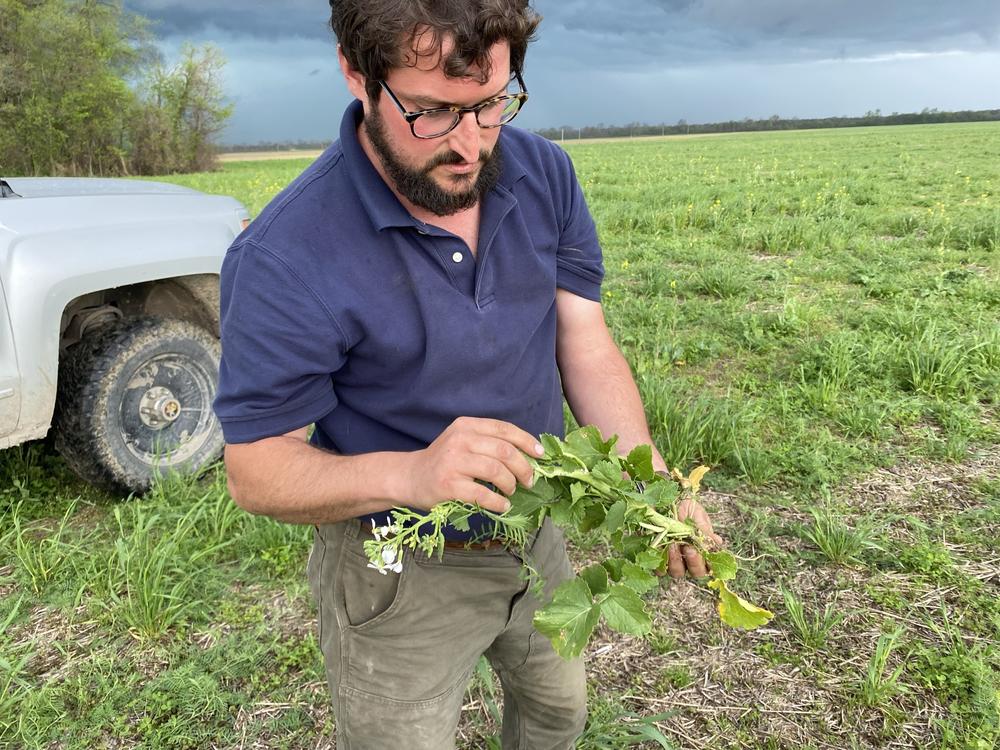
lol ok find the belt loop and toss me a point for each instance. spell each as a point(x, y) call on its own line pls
point(352, 528)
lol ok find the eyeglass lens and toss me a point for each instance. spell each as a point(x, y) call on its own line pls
point(494, 114)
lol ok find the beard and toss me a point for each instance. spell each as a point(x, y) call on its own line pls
point(417, 185)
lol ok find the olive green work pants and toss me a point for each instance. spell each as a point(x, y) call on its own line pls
point(400, 648)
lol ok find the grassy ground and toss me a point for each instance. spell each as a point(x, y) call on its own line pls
point(814, 314)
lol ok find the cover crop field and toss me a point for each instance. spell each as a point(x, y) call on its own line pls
point(815, 315)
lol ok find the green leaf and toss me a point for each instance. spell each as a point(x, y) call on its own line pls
point(597, 579)
point(561, 514)
point(604, 447)
point(610, 474)
point(738, 612)
point(640, 463)
point(651, 559)
point(639, 498)
point(662, 494)
point(569, 619)
point(593, 516)
point(638, 579)
point(624, 611)
point(461, 523)
point(586, 444)
point(723, 565)
point(615, 517)
point(631, 546)
point(526, 501)
point(517, 521)
point(614, 567)
point(552, 445)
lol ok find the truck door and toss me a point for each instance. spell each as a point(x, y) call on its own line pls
point(10, 382)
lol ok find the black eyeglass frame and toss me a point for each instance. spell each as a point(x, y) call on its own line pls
point(411, 117)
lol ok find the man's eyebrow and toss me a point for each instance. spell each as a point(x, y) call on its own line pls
point(424, 102)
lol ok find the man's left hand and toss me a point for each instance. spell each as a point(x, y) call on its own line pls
point(683, 558)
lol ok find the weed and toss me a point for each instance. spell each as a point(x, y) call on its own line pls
point(839, 543)
point(610, 726)
point(721, 281)
point(879, 686)
point(661, 642)
point(41, 556)
point(812, 632)
point(151, 580)
point(673, 677)
point(927, 557)
point(935, 365)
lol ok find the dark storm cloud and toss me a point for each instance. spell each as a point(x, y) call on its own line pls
point(695, 31)
point(659, 31)
point(262, 20)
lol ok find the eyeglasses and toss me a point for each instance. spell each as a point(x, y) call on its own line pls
point(434, 123)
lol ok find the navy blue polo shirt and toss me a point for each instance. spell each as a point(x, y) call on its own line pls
point(339, 308)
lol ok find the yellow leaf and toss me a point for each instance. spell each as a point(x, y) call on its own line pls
point(695, 478)
point(736, 611)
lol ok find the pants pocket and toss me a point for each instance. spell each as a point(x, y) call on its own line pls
point(368, 596)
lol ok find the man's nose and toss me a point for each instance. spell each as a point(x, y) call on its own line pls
point(465, 138)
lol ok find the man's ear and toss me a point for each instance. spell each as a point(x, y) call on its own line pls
point(355, 81)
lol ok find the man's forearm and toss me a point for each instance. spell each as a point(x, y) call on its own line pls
point(601, 391)
point(289, 480)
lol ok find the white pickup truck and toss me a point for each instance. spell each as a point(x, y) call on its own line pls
point(109, 323)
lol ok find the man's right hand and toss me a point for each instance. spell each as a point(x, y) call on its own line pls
point(472, 448)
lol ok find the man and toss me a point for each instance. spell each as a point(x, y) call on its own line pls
point(424, 294)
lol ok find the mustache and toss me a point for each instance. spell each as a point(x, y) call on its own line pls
point(452, 157)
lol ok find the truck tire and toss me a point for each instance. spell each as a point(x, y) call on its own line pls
point(135, 400)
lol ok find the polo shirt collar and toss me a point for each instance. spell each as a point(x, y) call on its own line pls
point(381, 204)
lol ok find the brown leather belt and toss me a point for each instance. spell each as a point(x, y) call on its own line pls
point(456, 544)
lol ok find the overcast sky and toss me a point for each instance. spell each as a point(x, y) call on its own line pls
point(602, 61)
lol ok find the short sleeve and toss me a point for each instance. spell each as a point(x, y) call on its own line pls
point(280, 348)
point(579, 261)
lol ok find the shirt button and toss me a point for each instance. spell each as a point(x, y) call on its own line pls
point(457, 257)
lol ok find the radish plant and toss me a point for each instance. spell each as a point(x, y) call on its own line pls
point(582, 483)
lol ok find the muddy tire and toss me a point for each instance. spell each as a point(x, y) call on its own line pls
point(135, 400)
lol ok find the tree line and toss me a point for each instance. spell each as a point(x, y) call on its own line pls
point(774, 122)
point(83, 91)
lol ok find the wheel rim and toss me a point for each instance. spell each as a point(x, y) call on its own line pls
point(166, 410)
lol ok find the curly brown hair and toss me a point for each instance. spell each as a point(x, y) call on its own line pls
point(378, 35)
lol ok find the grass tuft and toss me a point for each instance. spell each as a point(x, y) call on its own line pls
point(839, 543)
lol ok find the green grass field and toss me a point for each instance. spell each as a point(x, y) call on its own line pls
point(816, 315)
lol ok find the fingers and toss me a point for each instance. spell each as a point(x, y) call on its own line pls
point(683, 558)
point(491, 470)
point(675, 561)
point(691, 508)
point(511, 433)
point(484, 497)
point(694, 562)
point(510, 458)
